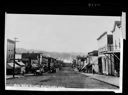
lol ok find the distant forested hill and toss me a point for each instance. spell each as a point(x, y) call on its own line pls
point(61, 55)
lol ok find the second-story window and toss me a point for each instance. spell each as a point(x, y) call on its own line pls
point(119, 43)
point(115, 45)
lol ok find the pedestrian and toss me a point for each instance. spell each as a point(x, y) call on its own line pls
point(42, 70)
point(115, 73)
point(93, 71)
point(22, 70)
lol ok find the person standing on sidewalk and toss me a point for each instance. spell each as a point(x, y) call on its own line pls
point(22, 70)
point(93, 71)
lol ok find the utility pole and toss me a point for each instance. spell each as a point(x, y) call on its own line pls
point(49, 61)
point(14, 56)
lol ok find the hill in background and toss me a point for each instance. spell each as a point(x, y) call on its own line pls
point(62, 55)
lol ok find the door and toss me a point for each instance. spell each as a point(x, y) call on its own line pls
point(100, 64)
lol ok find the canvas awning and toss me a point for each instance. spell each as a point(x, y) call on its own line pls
point(84, 66)
point(89, 65)
point(20, 63)
point(10, 66)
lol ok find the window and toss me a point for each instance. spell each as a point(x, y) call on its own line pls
point(104, 64)
point(9, 56)
point(12, 56)
point(119, 43)
point(115, 45)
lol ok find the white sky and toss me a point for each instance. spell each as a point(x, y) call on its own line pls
point(61, 33)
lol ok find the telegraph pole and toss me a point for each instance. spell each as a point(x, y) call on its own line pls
point(14, 56)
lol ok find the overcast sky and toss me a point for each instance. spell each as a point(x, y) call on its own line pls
point(61, 33)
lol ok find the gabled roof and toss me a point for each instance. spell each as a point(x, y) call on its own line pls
point(11, 41)
point(101, 35)
point(118, 24)
point(93, 53)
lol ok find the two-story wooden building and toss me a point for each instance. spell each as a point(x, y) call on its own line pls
point(116, 45)
point(10, 58)
point(10, 50)
point(105, 60)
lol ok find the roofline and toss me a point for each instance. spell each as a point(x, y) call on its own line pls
point(93, 51)
point(115, 24)
point(30, 53)
point(9, 40)
point(101, 35)
point(18, 53)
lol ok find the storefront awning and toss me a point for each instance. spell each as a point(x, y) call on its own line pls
point(10, 66)
point(84, 66)
point(20, 63)
point(89, 65)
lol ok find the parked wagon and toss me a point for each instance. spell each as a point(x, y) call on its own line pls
point(39, 72)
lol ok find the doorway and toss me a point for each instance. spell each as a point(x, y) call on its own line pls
point(100, 64)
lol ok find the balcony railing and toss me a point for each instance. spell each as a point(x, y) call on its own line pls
point(109, 48)
point(113, 48)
